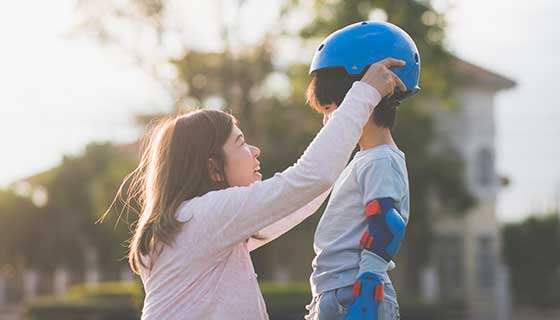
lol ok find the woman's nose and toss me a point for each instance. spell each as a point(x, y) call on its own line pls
point(256, 151)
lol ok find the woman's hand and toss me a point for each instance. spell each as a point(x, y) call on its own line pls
point(384, 80)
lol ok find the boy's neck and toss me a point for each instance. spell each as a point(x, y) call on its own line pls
point(373, 136)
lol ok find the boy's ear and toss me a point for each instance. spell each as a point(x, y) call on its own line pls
point(213, 171)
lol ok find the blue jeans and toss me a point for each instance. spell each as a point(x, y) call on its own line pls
point(333, 304)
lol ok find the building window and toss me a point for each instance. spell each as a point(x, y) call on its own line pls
point(449, 253)
point(485, 167)
point(485, 262)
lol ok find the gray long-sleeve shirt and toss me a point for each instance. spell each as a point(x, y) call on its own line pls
point(379, 172)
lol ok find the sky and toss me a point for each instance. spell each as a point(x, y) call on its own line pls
point(58, 93)
point(518, 39)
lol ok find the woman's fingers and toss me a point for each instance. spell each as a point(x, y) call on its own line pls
point(384, 80)
point(399, 83)
point(392, 62)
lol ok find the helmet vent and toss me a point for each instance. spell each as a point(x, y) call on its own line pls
point(321, 47)
point(416, 57)
point(363, 23)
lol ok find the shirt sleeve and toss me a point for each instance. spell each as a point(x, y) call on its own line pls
point(234, 214)
point(378, 179)
point(285, 224)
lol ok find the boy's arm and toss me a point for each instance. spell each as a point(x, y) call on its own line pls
point(381, 186)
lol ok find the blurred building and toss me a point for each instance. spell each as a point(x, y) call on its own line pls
point(465, 271)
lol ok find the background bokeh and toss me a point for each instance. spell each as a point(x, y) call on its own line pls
point(80, 79)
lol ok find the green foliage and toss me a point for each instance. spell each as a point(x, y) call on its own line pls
point(123, 300)
point(79, 191)
point(129, 292)
point(531, 252)
point(19, 226)
point(286, 301)
point(107, 301)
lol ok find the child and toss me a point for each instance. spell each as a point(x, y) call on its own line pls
point(363, 224)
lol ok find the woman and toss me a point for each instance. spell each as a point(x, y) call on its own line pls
point(204, 206)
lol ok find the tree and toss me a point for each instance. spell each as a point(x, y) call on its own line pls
point(531, 251)
point(20, 229)
point(56, 233)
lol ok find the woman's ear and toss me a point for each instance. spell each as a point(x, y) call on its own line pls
point(213, 171)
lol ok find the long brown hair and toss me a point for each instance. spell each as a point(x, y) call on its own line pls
point(174, 167)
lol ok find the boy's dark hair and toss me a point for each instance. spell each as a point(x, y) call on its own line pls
point(330, 85)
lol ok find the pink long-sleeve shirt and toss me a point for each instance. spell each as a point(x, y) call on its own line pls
point(208, 272)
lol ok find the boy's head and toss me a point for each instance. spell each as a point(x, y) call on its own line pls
point(344, 56)
point(329, 86)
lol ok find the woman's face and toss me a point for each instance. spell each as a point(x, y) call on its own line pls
point(241, 164)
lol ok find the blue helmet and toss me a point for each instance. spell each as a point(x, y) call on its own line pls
point(361, 44)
